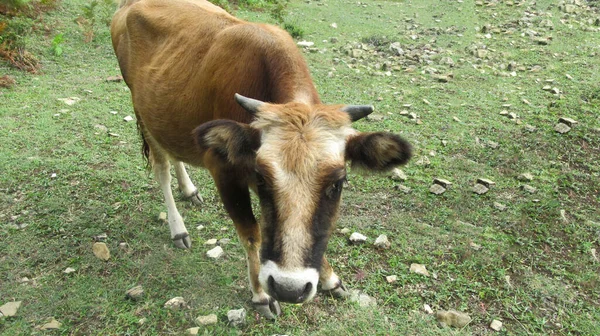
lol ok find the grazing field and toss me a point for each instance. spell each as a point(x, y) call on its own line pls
point(477, 87)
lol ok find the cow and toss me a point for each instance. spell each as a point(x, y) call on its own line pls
point(236, 98)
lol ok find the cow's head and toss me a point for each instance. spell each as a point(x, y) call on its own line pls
point(296, 155)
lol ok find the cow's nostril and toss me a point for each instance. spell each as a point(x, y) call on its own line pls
point(306, 291)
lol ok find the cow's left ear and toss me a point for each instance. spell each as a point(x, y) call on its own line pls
point(235, 142)
point(378, 151)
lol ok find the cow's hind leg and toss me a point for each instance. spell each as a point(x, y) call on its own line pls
point(186, 186)
point(233, 188)
point(162, 172)
point(330, 282)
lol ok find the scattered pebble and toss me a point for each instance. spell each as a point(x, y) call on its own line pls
point(114, 78)
point(101, 237)
point(382, 242)
point(237, 317)
point(398, 175)
point(124, 247)
point(215, 253)
point(499, 206)
point(212, 241)
point(136, 293)
point(496, 325)
point(207, 319)
point(423, 161)
point(101, 251)
point(357, 238)
point(199, 227)
point(52, 324)
point(525, 177)
point(162, 216)
point(142, 321)
point(475, 246)
point(529, 188)
point(70, 101)
point(480, 189)
point(224, 241)
point(562, 128)
point(305, 44)
point(437, 189)
point(69, 270)
point(444, 183)
point(175, 303)
point(452, 318)
point(403, 188)
point(427, 309)
point(419, 269)
point(391, 278)
point(362, 299)
point(594, 255)
point(568, 121)
point(128, 119)
point(10, 308)
point(345, 231)
point(193, 331)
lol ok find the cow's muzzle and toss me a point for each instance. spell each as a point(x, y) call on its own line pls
point(294, 286)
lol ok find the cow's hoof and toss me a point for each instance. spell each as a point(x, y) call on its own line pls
point(182, 240)
point(195, 198)
point(338, 292)
point(269, 309)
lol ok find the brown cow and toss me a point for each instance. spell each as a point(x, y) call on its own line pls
point(185, 61)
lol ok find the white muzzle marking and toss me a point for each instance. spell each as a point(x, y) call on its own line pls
point(294, 281)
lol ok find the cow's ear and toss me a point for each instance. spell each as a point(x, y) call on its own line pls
point(378, 151)
point(233, 141)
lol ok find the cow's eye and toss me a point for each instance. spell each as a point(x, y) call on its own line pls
point(336, 188)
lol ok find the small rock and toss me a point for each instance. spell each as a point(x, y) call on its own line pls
point(124, 246)
point(101, 251)
point(529, 188)
point(70, 101)
point(391, 278)
point(444, 183)
point(115, 135)
point(52, 324)
point(437, 189)
point(456, 119)
point(525, 177)
point(128, 119)
point(423, 161)
point(562, 128)
point(593, 252)
point(345, 231)
point(499, 206)
point(382, 242)
point(444, 143)
point(101, 128)
point(486, 182)
point(427, 309)
point(136, 293)
point(224, 241)
point(570, 122)
point(212, 241)
point(375, 117)
point(563, 216)
point(530, 128)
point(142, 321)
point(480, 189)
point(162, 216)
point(175, 303)
point(69, 270)
point(207, 319)
point(452, 318)
point(419, 269)
point(362, 299)
point(237, 317)
point(199, 227)
point(398, 175)
point(10, 308)
point(305, 44)
point(357, 238)
point(496, 325)
point(193, 331)
point(403, 188)
point(215, 253)
point(333, 25)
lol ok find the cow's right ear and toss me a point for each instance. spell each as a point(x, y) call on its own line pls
point(233, 141)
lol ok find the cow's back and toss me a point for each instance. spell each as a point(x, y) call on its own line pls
point(184, 60)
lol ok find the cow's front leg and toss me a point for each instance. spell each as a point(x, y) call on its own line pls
point(235, 195)
point(186, 186)
point(330, 282)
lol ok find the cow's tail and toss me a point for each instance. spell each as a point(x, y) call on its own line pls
point(145, 146)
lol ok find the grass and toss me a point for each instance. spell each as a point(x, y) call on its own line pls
point(535, 271)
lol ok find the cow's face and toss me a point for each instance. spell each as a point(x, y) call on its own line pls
point(296, 158)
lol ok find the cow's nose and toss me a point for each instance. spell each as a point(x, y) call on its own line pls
point(289, 293)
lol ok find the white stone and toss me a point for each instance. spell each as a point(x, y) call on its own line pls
point(398, 175)
point(69, 270)
point(215, 253)
point(357, 238)
point(496, 325)
point(237, 317)
point(427, 309)
point(437, 189)
point(101, 251)
point(52, 324)
point(419, 269)
point(212, 241)
point(345, 231)
point(193, 331)
point(207, 319)
point(10, 308)
point(362, 299)
point(391, 278)
point(128, 118)
point(175, 303)
point(162, 216)
point(382, 242)
point(305, 44)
